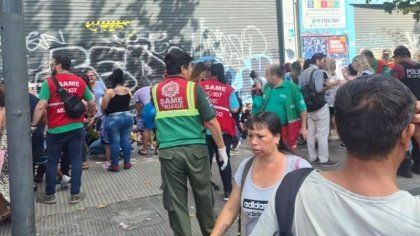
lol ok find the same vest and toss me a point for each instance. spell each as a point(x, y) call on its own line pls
point(219, 94)
point(177, 120)
point(56, 113)
point(412, 78)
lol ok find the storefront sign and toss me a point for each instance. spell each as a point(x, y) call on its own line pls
point(322, 14)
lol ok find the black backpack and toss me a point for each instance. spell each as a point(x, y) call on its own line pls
point(313, 99)
point(72, 104)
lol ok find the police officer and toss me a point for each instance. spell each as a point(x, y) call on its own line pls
point(408, 72)
point(182, 108)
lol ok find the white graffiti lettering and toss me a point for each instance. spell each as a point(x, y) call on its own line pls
point(232, 49)
point(140, 54)
point(36, 40)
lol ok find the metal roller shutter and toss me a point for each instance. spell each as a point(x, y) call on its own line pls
point(135, 35)
point(378, 30)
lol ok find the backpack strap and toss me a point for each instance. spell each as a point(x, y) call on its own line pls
point(286, 197)
point(246, 170)
point(311, 79)
point(55, 81)
point(247, 167)
point(60, 91)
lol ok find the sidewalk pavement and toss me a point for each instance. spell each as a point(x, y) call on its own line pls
point(130, 202)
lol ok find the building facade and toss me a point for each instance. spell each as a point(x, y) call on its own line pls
point(136, 35)
point(343, 28)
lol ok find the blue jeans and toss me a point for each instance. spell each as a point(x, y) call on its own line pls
point(56, 144)
point(96, 147)
point(118, 126)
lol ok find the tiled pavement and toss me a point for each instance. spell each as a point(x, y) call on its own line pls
point(130, 202)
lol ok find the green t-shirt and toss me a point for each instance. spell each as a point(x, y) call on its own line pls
point(44, 94)
point(285, 100)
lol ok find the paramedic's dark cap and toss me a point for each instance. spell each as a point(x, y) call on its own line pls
point(401, 51)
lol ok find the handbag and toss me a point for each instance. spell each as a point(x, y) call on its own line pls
point(73, 105)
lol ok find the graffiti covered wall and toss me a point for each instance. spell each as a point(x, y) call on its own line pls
point(136, 35)
point(378, 30)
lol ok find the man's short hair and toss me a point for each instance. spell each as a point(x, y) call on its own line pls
point(368, 53)
point(370, 114)
point(62, 60)
point(318, 56)
point(276, 69)
point(402, 51)
point(175, 60)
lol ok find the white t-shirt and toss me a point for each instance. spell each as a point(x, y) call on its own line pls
point(255, 199)
point(325, 208)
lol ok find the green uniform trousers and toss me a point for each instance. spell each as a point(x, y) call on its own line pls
point(178, 164)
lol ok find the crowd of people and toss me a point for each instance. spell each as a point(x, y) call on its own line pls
point(194, 115)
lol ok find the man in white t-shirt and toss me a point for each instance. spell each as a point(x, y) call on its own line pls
point(374, 117)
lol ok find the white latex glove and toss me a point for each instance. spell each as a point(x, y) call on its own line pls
point(223, 157)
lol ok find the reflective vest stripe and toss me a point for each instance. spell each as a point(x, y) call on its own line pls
point(155, 100)
point(190, 94)
point(221, 108)
point(174, 113)
point(177, 113)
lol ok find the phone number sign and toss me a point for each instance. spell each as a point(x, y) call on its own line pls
point(321, 14)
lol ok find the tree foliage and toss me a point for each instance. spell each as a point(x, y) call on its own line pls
point(403, 6)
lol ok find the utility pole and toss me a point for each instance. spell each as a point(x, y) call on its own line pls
point(297, 28)
point(18, 117)
point(280, 30)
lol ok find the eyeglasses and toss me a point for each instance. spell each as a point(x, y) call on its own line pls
point(52, 64)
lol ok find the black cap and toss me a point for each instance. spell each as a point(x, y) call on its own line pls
point(401, 51)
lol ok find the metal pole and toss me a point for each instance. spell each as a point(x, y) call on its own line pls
point(297, 28)
point(280, 30)
point(18, 117)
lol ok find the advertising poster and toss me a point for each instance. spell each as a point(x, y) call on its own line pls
point(323, 14)
point(337, 45)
